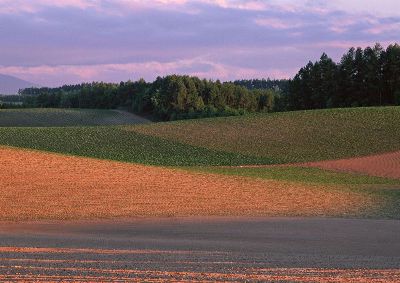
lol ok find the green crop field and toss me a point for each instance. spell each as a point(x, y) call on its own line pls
point(299, 174)
point(116, 143)
point(201, 145)
point(291, 136)
point(48, 117)
point(256, 139)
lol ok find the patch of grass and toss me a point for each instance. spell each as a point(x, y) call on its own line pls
point(47, 117)
point(115, 143)
point(299, 175)
point(386, 199)
point(299, 136)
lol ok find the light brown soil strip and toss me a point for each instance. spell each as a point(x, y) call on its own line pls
point(382, 165)
point(45, 186)
point(254, 274)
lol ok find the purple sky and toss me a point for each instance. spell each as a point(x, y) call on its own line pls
point(69, 41)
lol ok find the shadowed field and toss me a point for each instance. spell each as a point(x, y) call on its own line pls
point(38, 185)
point(49, 117)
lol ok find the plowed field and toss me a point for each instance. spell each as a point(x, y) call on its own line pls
point(382, 165)
point(36, 185)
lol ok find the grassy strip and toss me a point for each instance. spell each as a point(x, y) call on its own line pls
point(387, 196)
point(299, 175)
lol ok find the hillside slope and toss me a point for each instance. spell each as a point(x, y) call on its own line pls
point(291, 136)
point(257, 139)
point(11, 85)
point(48, 117)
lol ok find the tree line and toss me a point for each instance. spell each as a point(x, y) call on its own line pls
point(168, 98)
point(10, 101)
point(363, 77)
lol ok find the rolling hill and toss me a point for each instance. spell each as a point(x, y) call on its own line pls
point(192, 160)
point(11, 85)
point(278, 138)
point(48, 117)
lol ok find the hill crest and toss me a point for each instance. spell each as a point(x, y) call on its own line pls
point(11, 85)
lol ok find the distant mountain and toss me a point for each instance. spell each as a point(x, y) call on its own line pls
point(11, 85)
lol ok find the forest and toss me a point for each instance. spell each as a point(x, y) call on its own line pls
point(168, 98)
point(363, 77)
point(369, 77)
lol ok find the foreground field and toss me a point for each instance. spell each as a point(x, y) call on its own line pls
point(48, 117)
point(202, 250)
point(53, 206)
point(39, 185)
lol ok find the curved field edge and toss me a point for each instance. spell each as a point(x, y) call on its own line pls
point(50, 117)
point(115, 143)
point(291, 137)
point(383, 190)
point(383, 165)
point(53, 187)
point(299, 174)
point(247, 140)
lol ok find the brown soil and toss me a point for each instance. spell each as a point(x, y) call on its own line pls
point(382, 165)
point(314, 275)
point(58, 268)
point(37, 186)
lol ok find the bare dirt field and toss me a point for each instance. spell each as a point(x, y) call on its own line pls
point(382, 165)
point(37, 185)
point(202, 250)
point(39, 191)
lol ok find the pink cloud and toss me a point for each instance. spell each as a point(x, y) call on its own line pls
point(15, 6)
point(277, 23)
point(69, 74)
point(342, 25)
point(239, 4)
point(382, 28)
point(79, 73)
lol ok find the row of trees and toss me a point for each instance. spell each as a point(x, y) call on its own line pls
point(278, 85)
point(10, 101)
point(369, 77)
point(363, 77)
point(168, 98)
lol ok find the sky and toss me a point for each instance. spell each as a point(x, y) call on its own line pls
point(52, 43)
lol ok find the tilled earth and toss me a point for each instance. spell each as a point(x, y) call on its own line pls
point(202, 249)
point(45, 186)
point(382, 165)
